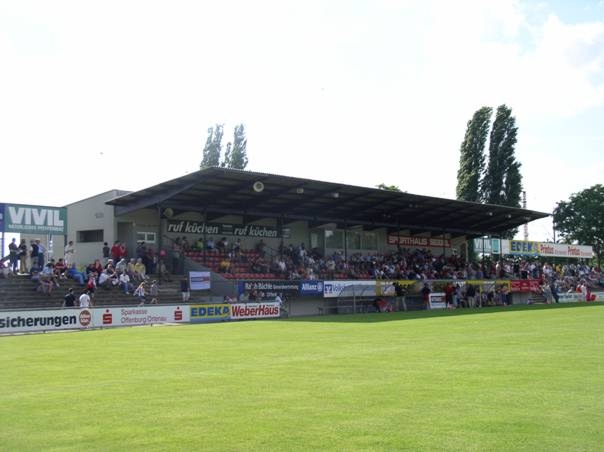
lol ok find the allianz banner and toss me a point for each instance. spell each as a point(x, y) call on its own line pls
point(35, 219)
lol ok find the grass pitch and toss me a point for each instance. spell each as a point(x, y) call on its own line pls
point(521, 378)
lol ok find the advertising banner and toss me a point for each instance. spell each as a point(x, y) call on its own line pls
point(270, 288)
point(571, 297)
point(311, 287)
point(418, 242)
point(524, 285)
point(520, 247)
point(562, 250)
point(209, 313)
point(140, 315)
point(437, 301)
point(487, 245)
point(242, 311)
point(334, 289)
point(238, 230)
point(42, 320)
point(35, 219)
point(199, 280)
point(1, 217)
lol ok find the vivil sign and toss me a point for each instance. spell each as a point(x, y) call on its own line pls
point(35, 219)
point(210, 313)
point(1, 217)
point(311, 287)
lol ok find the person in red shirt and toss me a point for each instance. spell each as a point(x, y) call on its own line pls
point(116, 251)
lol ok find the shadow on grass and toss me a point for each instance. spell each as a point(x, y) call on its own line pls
point(391, 316)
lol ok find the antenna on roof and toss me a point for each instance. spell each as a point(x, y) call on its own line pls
point(524, 207)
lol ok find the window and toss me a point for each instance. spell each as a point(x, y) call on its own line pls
point(95, 235)
point(334, 239)
point(147, 237)
point(353, 240)
point(369, 241)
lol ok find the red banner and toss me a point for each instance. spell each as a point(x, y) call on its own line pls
point(524, 285)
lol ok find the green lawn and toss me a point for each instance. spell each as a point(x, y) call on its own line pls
point(526, 378)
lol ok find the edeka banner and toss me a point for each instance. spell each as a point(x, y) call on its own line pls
point(35, 219)
point(199, 280)
point(141, 315)
point(270, 288)
point(311, 287)
point(520, 247)
point(54, 320)
point(242, 311)
point(210, 313)
point(524, 285)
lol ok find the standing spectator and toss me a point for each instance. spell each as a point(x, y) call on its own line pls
point(426, 296)
point(85, 301)
point(13, 254)
point(23, 257)
point(184, 290)
point(69, 299)
point(106, 253)
point(33, 254)
point(154, 292)
point(41, 253)
point(116, 251)
point(470, 295)
point(69, 253)
point(140, 293)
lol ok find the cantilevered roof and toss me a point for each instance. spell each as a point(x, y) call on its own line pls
point(220, 191)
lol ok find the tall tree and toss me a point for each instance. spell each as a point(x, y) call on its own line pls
point(502, 182)
point(213, 147)
point(471, 160)
point(235, 155)
point(581, 219)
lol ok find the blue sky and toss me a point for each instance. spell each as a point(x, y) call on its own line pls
point(119, 94)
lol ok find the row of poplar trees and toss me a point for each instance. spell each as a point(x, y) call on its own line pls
point(235, 155)
point(498, 179)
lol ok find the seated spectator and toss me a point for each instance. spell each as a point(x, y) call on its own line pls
point(76, 275)
point(198, 245)
point(60, 269)
point(91, 284)
point(225, 265)
point(125, 283)
point(222, 245)
point(48, 274)
point(163, 272)
point(140, 270)
point(107, 279)
point(210, 245)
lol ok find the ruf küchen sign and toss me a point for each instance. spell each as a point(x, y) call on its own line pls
point(35, 219)
point(238, 230)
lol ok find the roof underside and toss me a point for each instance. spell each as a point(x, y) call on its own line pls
point(218, 191)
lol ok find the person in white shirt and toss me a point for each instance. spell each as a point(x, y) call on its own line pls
point(85, 300)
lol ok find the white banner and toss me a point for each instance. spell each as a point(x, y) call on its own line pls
point(53, 320)
point(199, 280)
point(139, 315)
point(333, 289)
point(437, 300)
point(240, 311)
point(561, 250)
